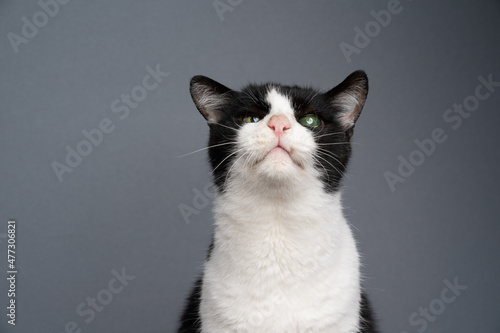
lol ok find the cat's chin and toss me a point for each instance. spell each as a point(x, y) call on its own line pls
point(278, 164)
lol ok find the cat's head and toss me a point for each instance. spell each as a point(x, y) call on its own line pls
point(278, 135)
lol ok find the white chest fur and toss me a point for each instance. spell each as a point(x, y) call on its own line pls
point(281, 265)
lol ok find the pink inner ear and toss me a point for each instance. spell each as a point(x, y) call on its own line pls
point(351, 108)
point(208, 95)
point(349, 97)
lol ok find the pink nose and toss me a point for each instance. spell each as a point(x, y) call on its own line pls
point(278, 123)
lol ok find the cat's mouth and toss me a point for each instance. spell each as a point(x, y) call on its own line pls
point(282, 154)
point(278, 150)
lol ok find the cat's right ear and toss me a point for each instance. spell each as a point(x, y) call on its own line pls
point(208, 96)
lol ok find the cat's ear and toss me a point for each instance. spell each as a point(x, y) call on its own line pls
point(209, 96)
point(349, 97)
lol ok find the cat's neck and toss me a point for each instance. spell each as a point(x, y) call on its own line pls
point(292, 251)
point(253, 220)
point(288, 205)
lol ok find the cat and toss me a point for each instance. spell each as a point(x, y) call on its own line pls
point(283, 257)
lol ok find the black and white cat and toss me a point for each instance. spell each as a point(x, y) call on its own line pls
point(283, 258)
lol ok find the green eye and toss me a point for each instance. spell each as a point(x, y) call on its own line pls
point(310, 121)
point(251, 119)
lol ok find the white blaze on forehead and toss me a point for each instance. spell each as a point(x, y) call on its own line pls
point(280, 104)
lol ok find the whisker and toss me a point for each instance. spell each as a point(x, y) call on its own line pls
point(333, 143)
point(232, 166)
point(328, 177)
point(228, 156)
point(248, 159)
point(335, 133)
point(333, 166)
point(352, 225)
point(202, 149)
point(329, 153)
point(231, 128)
point(321, 164)
point(332, 155)
point(310, 98)
point(230, 138)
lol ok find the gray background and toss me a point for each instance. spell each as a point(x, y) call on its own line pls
point(120, 206)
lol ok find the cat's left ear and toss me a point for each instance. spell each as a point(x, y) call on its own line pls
point(209, 96)
point(349, 98)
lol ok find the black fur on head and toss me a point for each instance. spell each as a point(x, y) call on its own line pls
point(339, 108)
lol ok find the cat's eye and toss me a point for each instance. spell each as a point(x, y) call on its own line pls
point(251, 119)
point(310, 121)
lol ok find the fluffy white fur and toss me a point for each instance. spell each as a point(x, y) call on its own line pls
point(284, 258)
